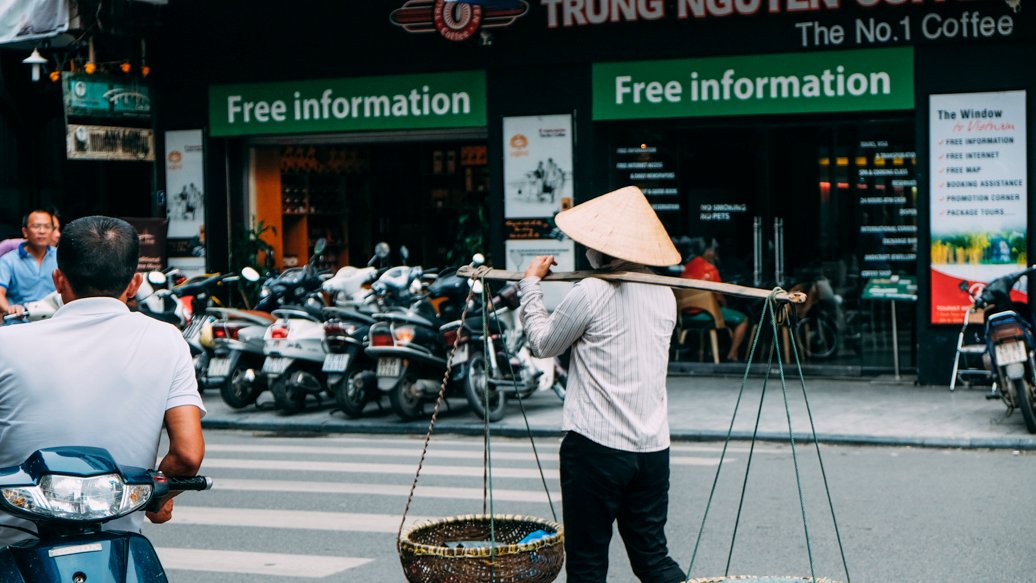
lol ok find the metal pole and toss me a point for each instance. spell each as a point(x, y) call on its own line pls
point(778, 250)
point(895, 341)
point(757, 251)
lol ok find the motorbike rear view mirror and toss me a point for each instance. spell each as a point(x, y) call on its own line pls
point(404, 253)
point(156, 278)
point(250, 274)
point(319, 246)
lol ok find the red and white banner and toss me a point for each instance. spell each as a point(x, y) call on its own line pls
point(979, 210)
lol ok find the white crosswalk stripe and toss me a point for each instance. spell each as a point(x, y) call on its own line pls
point(400, 490)
point(266, 564)
point(255, 517)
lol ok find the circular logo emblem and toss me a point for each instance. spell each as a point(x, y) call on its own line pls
point(175, 156)
point(79, 88)
point(519, 141)
point(81, 134)
point(456, 21)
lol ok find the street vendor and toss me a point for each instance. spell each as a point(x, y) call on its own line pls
point(615, 454)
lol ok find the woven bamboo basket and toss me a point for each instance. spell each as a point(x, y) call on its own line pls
point(426, 558)
point(763, 579)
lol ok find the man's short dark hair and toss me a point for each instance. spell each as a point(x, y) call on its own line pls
point(25, 217)
point(98, 255)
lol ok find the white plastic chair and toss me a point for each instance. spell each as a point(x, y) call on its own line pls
point(970, 348)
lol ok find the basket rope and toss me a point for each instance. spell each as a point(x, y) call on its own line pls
point(487, 472)
point(774, 354)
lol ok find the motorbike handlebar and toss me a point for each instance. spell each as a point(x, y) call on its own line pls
point(197, 483)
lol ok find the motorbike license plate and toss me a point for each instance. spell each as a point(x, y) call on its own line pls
point(460, 356)
point(389, 367)
point(219, 367)
point(1010, 352)
point(275, 364)
point(336, 362)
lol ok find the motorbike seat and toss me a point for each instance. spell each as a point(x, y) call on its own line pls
point(294, 312)
point(347, 314)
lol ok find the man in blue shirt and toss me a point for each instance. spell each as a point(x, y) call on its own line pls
point(26, 274)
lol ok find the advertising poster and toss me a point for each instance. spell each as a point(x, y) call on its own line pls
point(978, 194)
point(520, 252)
point(538, 165)
point(537, 186)
point(152, 232)
point(185, 200)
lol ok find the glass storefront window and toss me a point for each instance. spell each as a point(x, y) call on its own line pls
point(840, 195)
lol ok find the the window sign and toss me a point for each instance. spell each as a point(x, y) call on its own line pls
point(441, 100)
point(102, 96)
point(862, 80)
point(977, 144)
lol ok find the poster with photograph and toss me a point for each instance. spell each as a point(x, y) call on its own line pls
point(520, 253)
point(185, 200)
point(538, 165)
point(977, 145)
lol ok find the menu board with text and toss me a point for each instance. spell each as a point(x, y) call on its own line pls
point(978, 181)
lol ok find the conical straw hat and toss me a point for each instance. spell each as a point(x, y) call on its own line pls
point(621, 224)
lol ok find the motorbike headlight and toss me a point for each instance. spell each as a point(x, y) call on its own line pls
point(78, 498)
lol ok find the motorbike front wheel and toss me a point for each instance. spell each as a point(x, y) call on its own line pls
point(1023, 391)
point(406, 399)
point(236, 391)
point(475, 390)
point(353, 391)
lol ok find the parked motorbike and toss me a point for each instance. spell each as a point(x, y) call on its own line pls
point(408, 346)
point(1009, 342)
point(490, 361)
point(156, 299)
point(351, 375)
point(237, 338)
point(499, 361)
point(40, 309)
point(197, 295)
point(68, 492)
point(294, 343)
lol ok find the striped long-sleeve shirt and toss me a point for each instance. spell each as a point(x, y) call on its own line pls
point(619, 333)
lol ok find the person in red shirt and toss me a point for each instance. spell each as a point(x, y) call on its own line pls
point(703, 266)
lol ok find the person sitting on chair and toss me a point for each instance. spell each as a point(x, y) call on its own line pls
point(703, 266)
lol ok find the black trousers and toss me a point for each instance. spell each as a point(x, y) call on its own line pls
point(601, 485)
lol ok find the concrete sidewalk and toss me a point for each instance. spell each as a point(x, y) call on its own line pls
point(879, 411)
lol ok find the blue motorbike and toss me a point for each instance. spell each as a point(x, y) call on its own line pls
point(69, 492)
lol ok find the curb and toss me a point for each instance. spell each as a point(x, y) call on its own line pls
point(472, 429)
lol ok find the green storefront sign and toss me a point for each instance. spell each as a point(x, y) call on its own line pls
point(103, 96)
point(861, 80)
point(441, 100)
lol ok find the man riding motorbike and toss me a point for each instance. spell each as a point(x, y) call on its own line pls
point(96, 374)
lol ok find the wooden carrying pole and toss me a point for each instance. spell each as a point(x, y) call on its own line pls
point(651, 278)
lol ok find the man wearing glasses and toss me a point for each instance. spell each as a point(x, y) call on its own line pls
point(26, 274)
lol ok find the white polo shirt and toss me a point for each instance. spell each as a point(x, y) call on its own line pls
point(94, 374)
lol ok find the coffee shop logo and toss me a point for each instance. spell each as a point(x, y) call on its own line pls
point(175, 159)
point(455, 21)
point(519, 145)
